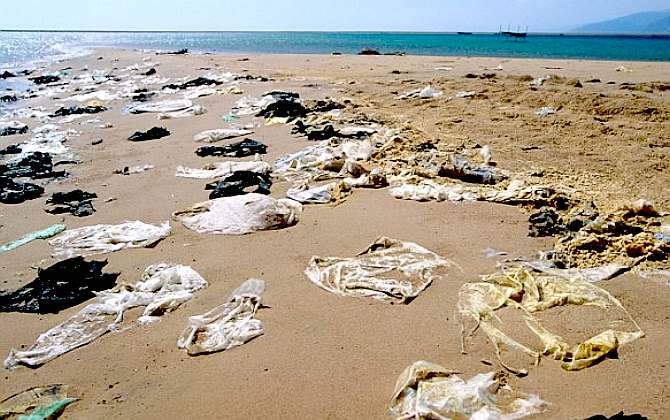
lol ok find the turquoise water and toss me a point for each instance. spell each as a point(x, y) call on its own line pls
point(19, 48)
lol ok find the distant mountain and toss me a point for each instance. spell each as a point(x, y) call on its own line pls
point(642, 23)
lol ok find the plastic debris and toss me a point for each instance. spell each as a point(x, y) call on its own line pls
point(388, 270)
point(199, 81)
point(491, 253)
point(76, 202)
point(331, 193)
point(162, 289)
point(45, 79)
point(424, 93)
point(545, 111)
point(243, 148)
point(160, 107)
point(428, 190)
point(238, 182)
point(458, 167)
point(47, 233)
point(211, 136)
point(63, 285)
point(12, 127)
point(464, 94)
point(127, 170)
point(78, 110)
point(13, 192)
point(102, 239)
point(188, 112)
point(33, 165)
point(240, 214)
point(152, 134)
point(281, 105)
point(37, 403)
point(540, 80)
point(221, 169)
point(226, 326)
point(428, 391)
point(529, 293)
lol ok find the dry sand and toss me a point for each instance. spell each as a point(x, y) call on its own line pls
point(324, 356)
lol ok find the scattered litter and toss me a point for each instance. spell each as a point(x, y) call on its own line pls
point(240, 214)
point(519, 289)
point(458, 167)
point(47, 233)
point(102, 239)
point(188, 112)
point(540, 80)
point(12, 127)
point(37, 403)
point(78, 110)
point(162, 289)
point(14, 192)
point(240, 149)
point(63, 285)
point(239, 181)
point(152, 134)
point(426, 390)
point(211, 136)
point(545, 111)
point(226, 326)
point(388, 270)
point(221, 169)
point(424, 93)
point(160, 107)
point(491, 253)
point(133, 170)
point(428, 190)
point(76, 202)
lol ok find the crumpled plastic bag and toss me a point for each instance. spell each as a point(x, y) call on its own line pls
point(160, 106)
point(532, 293)
point(226, 326)
point(428, 391)
point(389, 270)
point(211, 136)
point(222, 169)
point(429, 190)
point(239, 215)
point(184, 113)
point(37, 403)
point(103, 239)
point(46, 233)
point(333, 192)
point(162, 289)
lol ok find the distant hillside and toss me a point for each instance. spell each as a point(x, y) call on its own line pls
point(644, 23)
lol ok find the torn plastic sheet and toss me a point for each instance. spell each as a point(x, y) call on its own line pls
point(388, 270)
point(160, 107)
point(162, 289)
point(244, 148)
point(211, 136)
point(424, 93)
point(12, 127)
point(530, 293)
point(221, 169)
point(591, 275)
point(47, 233)
point(240, 214)
point(13, 192)
point(102, 239)
point(76, 202)
point(226, 326)
point(188, 112)
point(429, 190)
point(428, 391)
point(238, 183)
point(37, 403)
point(518, 193)
point(60, 286)
point(330, 193)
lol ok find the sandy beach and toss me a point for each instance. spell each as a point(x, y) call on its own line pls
point(328, 356)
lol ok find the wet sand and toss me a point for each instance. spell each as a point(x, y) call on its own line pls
point(324, 356)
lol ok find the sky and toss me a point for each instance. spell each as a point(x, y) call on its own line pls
point(300, 15)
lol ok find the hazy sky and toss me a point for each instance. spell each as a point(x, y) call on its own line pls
point(399, 15)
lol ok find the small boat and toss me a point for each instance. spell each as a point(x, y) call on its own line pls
point(464, 33)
